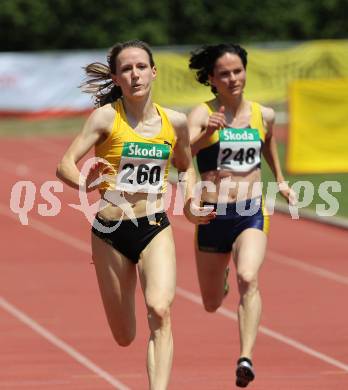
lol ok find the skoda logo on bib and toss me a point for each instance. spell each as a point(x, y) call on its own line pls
point(240, 149)
point(142, 167)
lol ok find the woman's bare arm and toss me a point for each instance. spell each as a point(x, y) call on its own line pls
point(94, 128)
point(187, 176)
point(202, 126)
point(270, 153)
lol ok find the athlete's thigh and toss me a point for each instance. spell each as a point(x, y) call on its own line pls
point(211, 268)
point(249, 251)
point(157, 269)
point(117, 281)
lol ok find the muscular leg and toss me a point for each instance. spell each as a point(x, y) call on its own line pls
point(117, 281)
point(248, 254)
point(211, 268)
point(157, 271)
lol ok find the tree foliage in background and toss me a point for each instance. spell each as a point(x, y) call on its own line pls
point(89, 24)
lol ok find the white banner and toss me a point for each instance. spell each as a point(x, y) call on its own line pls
point(48, 81)
point(45, 81)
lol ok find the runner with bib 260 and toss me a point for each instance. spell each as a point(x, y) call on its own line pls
point(142, 167)
point(228, 135)
point(134, 140)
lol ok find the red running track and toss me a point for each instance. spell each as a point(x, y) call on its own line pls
point(53, 332)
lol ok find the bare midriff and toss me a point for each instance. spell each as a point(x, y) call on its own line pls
point(229, 187)
point(138, 204)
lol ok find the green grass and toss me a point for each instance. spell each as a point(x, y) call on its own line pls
point(22, 127)
point(316, 180)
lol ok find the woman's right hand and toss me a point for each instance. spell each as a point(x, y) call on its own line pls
point(96, 171)
point(216, 121)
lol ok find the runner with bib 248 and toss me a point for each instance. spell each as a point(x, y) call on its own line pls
point(228, 135)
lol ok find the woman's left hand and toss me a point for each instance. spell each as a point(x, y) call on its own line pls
point(288, 193)
point(199, 215)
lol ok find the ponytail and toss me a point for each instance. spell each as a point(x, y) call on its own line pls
point(100, 84)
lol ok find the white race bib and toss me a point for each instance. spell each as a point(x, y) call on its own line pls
point(240, 149)
point(142, 167)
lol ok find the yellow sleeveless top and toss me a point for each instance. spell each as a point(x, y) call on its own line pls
point(138, 164)
point(237, 150)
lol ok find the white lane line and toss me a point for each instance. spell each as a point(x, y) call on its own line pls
point(290, 261)
point(25, 171)
point(21, 316)
point(81, 245)
point(50, 231)
point(17, 169)
point(285, 260)
point(47, 146)
point(268, 332)
point(19, 383)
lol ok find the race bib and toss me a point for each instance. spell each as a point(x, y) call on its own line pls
point(142, 167)
point(240, 149)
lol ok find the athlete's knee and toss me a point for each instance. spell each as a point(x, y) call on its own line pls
point(123, 334)
point(159, 313)
point(210, 305)
point(247, 281)
point(211, 302)
point(123, 337)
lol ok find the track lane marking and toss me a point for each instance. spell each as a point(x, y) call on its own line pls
point(83, 246)
point(60, 344)
point(285, 260)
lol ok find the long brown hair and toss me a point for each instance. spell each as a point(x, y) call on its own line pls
point(100, 83)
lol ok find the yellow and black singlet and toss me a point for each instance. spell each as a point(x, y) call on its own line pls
point(140, 164)
point(232, 149)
